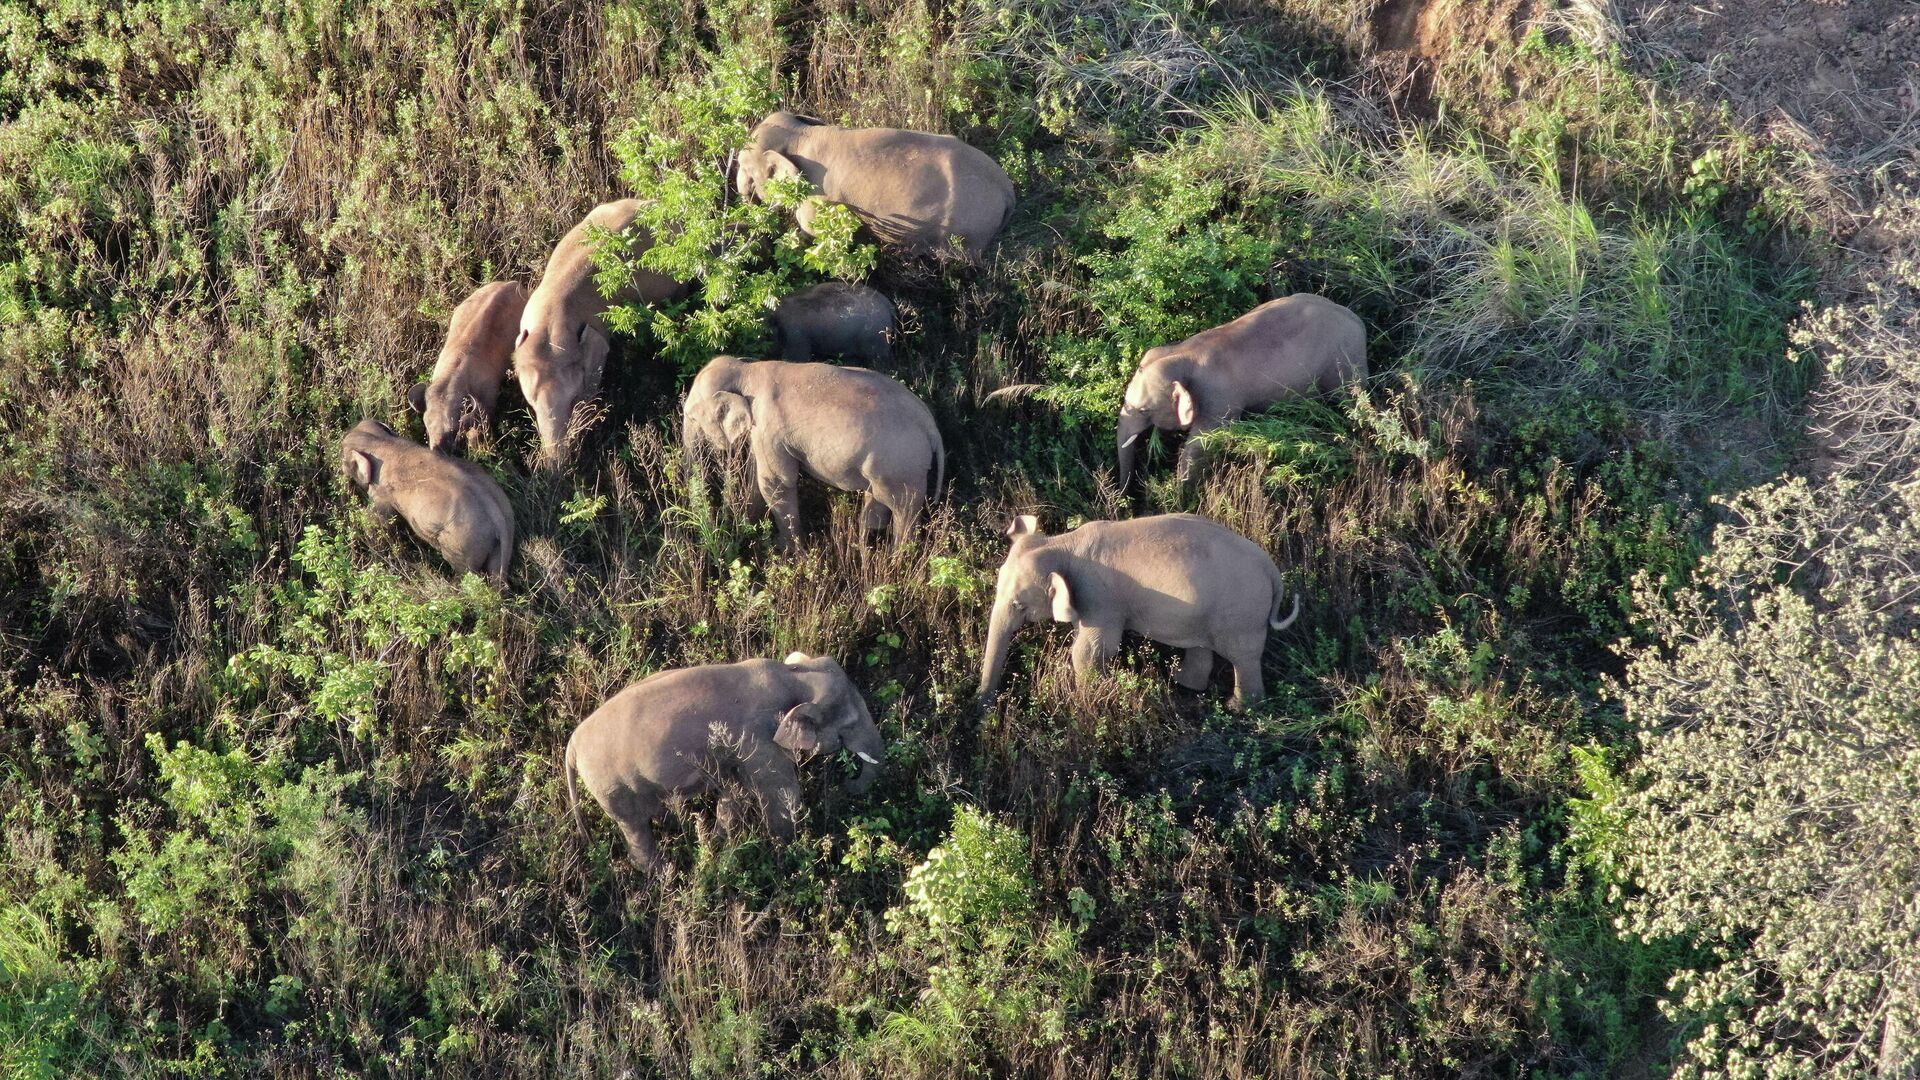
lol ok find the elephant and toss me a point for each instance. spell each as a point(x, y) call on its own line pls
point(834, 318)
point(460, 397)
point(850, 428)
point(561, 351)
point(1295, 346)
point(678, 733)
point(1178, 579)
point(910, 188)
point(451, 504)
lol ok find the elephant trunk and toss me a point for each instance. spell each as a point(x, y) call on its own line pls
point(864, 741)
point(1127, 445)
point(553, 424)
point(999, 640)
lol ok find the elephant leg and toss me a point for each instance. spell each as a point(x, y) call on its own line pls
point(874, 514)
point(778, 477)
point(1248, 687)
point(1094, 648)
point(634, 813)
point(906, 505)
point(772, 777)
point(1196, 668)
point(1193, 456)
point(728, 815)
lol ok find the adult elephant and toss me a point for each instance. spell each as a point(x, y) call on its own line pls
point(847, 427)
point(1178, 579)
point(911, 188)
point(685, 731)
point(1296, 346)
point(561, 352)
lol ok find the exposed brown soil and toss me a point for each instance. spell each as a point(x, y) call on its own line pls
point(1840, 78)
point(1414, 46)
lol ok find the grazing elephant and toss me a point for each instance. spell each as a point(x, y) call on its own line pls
point(911, 188)
point(834, 318)
point(561, 352)
point(847, 427)
point(1178, 579)
point(678, 733)
point(460, 397)
point(1295, 346)
point(452, 504)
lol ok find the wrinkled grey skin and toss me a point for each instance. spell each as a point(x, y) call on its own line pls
point(561, 352)
point(1177, 579)
point(911, 188)
point(451, 504)
point(1296, 346)
point(834, 318)
point(459, 398)
point(847, 427)
point(679, 733)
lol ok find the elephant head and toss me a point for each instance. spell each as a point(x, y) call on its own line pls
point(833, 716)
point(716, 415)
point(357, 461)
point(450, 416)
point(765, 155)
point(1033, 587)
point(1159, 396)
point(557, 377)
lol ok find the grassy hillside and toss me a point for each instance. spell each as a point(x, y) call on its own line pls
point(280, 796)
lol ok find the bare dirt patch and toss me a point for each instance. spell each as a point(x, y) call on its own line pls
point(1417, 47)
point(1840, 78)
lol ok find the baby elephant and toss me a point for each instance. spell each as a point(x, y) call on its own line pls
point(1295, 346)
point(835, 318)
point(679, 733)
point(460, 397)
point(452, 504)
point(848, 427)
point(1178, 579)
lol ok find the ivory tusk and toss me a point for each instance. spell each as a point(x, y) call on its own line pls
point(1131, 439)
point(866, 758)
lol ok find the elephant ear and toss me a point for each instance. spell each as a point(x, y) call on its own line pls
point(521, 338)
point(1062, 597)
point(796, 658)
point(736, 418)
point(417, 397)
point(1023, 525)
point(798, 732)
point(365, 468)
point(1184, 409)
point(780, 166)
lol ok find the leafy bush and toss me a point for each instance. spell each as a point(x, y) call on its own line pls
point(740, 255)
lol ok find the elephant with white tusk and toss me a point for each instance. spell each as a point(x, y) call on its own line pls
point(460, 397)
point(849, 428)
point(1177, 579)
point(452, 504)
point(911, 188)
point(1296, 346)
point(561, 352)
point(682, 732)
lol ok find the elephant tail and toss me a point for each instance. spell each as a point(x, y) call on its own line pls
point(573, 793)
point(939, 465)
point(1279, 589)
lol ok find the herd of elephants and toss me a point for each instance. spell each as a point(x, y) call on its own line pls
point(743, 729)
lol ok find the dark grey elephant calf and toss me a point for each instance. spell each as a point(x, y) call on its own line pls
point(683, 732)
point(835, 318)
